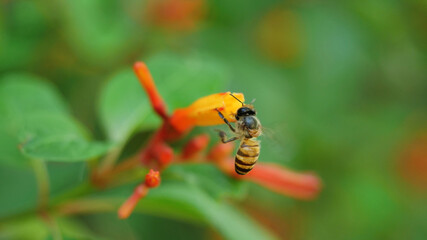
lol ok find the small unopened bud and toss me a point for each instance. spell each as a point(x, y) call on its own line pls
point(163, 154)
point(195, 146)
point(144, 77)
point(220, 151)
point(152, 179)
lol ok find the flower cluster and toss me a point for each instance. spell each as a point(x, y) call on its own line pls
point(157, 154)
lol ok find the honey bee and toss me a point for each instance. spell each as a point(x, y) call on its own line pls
point(248, 128)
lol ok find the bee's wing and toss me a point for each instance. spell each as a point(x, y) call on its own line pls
point(270, 134)
point(276, 144)
point(273, 139)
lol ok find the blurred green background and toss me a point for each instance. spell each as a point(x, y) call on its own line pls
point(342, 84)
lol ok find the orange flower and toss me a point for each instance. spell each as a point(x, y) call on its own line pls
point(202, 112)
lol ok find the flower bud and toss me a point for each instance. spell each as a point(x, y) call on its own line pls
point(152, 179)
point(221, 151)
point(163, 154)
point(144, 77)
point(195, 146)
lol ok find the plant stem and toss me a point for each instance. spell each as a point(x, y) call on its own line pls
point(79, 206)
point(125, 165)
point(77, 191)
point(42, 178)
point(109, 160)
point(52, 224)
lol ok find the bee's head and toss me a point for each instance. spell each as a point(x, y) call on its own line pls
point(244, 112)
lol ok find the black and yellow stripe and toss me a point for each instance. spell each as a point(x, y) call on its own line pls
point(246, 156)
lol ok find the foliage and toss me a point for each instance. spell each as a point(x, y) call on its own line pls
point(344, 95)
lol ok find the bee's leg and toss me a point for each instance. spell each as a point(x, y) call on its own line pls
point(225, 120)
point(223, 137)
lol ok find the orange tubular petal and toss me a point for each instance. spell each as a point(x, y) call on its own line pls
point(147, 82)
point(279, 179)
point(202, 112)
point(182, 121)
point(285, 181)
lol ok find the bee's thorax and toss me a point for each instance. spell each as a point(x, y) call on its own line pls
point(248, 127)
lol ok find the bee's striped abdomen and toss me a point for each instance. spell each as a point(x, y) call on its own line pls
point(246, 156)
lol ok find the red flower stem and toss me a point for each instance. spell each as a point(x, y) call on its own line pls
point(104, 178)
point(166, 133)
point(152, 180)
point(127, 207)
point(147, 152)
point(147, 82)
point(145, 155)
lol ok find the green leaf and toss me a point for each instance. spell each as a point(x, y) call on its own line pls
point(177, 198)
point(9, 152)
point(98, 31)
point(57, 137)
point(34, 227)
point(28, 228)
point(124, 106)
point(23, 94)
point(183, 79)
point(181, 200)
point(71, 229)
point(35, 119)
point(63, 148)
point(22, 31)
point(155, 227)
point(18, 191)
point(207, 177)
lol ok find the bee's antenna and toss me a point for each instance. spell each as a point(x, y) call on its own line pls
point(237, 99)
